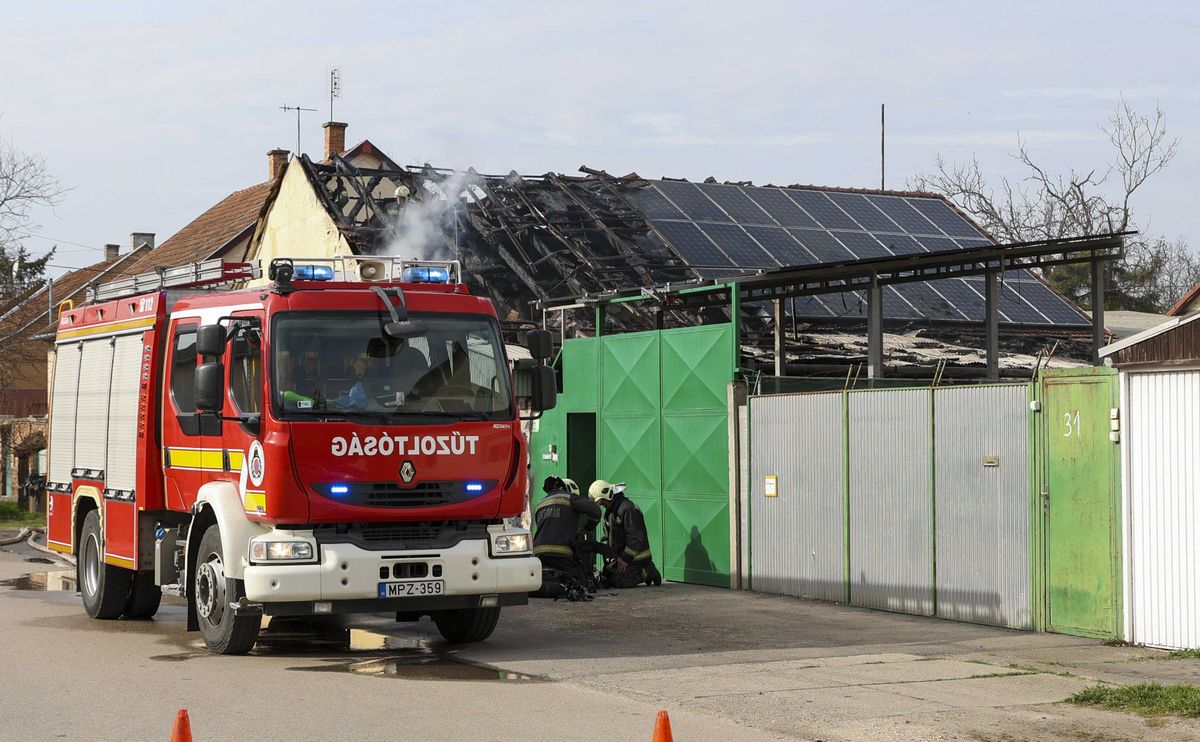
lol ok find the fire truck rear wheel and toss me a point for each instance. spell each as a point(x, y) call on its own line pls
point(144, 596)
point(103, 587)
point(467, 625)
point(223, 631)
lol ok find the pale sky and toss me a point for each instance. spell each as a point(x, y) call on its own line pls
point(152, 112)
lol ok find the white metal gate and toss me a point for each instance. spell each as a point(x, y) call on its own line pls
point(1161, 441)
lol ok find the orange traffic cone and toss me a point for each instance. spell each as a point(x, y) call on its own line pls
point(662, 728)
point(182, 732)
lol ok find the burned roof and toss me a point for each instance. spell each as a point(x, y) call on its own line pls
point(523, 238)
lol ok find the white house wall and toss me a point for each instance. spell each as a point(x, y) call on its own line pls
point(297, 225)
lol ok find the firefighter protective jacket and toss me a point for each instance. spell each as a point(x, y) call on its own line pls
point(560, 518)
point(625, 530)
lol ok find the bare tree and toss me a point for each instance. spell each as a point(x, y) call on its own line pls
point(25, 184)
point(1042, 206)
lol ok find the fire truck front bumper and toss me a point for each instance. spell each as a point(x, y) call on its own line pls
point(346, 578)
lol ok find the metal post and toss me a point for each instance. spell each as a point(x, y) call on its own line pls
point(875, 329)
point(991, 323)
point(780, 365)
point(1097, 310)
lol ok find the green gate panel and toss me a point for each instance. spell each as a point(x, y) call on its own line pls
point(1080, 508)
point(696, 368)
point(696, 454)
point(581, 378)
point(630, 373)
point(630, 452)
point(696, 535)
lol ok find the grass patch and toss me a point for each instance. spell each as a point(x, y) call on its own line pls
point(1185, 654)
point(14, 517)
point(1147, 699)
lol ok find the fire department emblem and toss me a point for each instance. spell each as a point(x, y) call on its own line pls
point(407, 472)
point(256, 465)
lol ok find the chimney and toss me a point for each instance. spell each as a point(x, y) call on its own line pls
point(111, 253)
point(276, 161)
point(335, 138)
point(137, 239)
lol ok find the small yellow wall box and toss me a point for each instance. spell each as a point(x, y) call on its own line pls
point(771, 486)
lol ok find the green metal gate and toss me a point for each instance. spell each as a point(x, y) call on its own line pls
point(1080, 502)
point(662, 419)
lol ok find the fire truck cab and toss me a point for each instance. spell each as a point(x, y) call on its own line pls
point(319, 445)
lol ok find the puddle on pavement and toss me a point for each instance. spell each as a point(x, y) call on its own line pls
point(59, 580)
point(39, 560)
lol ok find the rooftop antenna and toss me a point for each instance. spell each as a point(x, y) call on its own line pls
point(335, 87)
point(298, 111)
point(882, 107)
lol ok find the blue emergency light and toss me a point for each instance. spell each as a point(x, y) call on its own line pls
point(425, 274)
point(474, 487)
point(339, 489)
point(313, 273)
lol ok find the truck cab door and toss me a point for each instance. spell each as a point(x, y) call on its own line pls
point(246, 397)
point(191, 440)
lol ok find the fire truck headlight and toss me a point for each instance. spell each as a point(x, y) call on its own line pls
point(280, 551)
point(510, 544)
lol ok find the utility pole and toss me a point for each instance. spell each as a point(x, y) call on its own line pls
point(298, 111)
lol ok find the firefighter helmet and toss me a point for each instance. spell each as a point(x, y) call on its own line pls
point(571, 486)
point(601, 490)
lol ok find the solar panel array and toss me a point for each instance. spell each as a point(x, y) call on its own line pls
point(725, 230)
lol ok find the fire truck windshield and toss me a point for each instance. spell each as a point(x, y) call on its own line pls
point(343, 365)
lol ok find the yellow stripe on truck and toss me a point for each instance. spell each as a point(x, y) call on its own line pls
point(207, 459)
point(108, 327)
point(255, 502)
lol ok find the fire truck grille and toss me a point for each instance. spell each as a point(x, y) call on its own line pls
point(416, 535)
point(396, 495)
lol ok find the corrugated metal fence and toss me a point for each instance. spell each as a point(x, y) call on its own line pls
point(1162, 439)
point(868, 482)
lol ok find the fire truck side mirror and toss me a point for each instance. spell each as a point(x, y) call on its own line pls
point(210, 386)
point(210, 341)
point(544, 389)
point(541, 344)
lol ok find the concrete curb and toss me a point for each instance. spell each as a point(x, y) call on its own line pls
point(25, 533)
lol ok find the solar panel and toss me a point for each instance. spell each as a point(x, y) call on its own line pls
point(823, 245)
point(691, 243)
point(782, 245)
point(736, 204)
point(692, 201)
point(900, 244)
point(1049, 303)
point(807, 306)
point(723, 230)
point(947, 220)
point(928, 302)
point(900, 212)
point(863, 245)
point(783, 209)
point(822, 209)
point(897, 306)
point(868, 217)
point(653, 204)
point(937, 244)
point(739, 246)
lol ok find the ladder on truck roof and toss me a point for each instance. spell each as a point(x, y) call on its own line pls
point(207, 274)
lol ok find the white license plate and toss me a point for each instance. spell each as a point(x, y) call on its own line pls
point(412, 588)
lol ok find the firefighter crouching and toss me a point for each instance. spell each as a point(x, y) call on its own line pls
point(564, 522)
point(628, 562)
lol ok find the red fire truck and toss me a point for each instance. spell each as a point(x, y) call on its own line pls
point(342, 439)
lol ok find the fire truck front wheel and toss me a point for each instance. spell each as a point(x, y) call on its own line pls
point(103, 587)
point(224, 631)
point(467, 625)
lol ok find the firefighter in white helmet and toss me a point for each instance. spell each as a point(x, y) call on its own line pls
point(630, 562)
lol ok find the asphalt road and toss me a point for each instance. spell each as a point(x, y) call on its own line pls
point(727, 666)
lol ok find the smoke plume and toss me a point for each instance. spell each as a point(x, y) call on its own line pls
point(425, 229)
